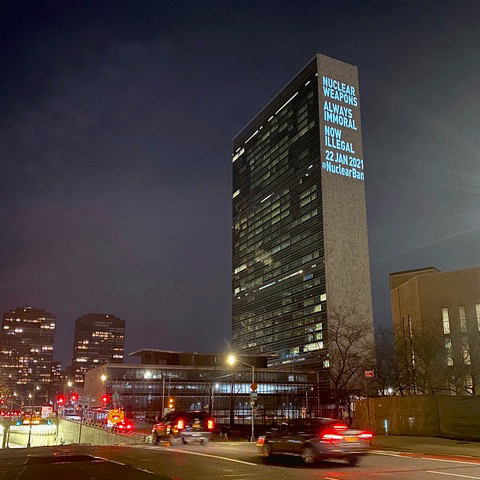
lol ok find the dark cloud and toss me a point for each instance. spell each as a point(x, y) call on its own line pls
point(115, 140)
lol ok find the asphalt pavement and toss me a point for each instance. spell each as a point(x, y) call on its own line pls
point(391, 458)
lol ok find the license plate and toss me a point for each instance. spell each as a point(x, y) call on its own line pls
point(351, 439)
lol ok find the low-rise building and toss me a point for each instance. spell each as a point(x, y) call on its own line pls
point(436, 318)
point(192, 381)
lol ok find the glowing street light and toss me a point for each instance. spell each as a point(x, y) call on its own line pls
point(232, 360)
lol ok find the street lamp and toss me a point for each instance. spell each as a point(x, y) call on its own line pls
point(32, 397)
point(232, 360)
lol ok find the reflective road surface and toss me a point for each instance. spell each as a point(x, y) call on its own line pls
point(229, 460)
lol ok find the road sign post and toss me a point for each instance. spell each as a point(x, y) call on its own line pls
point(368, 374)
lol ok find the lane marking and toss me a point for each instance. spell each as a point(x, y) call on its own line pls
point(452, 474)
point(125, 465)
point(206, 455)
point(416, 457)
point(210, 455)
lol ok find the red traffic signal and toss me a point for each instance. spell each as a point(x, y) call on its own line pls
point(74, 397)
point(105, 398)
point(61, 399)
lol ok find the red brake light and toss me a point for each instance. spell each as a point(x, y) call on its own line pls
point(333, 434)
point(180, 425)
point(331, 438)
point(129, 426)
point(210, 424)
point(365, 435)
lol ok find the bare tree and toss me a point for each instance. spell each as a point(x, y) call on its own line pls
point(389, 372)
point(350, 345)
point(421, 354)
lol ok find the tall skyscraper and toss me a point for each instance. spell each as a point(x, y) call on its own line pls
point(99, 338)
point(300, 247)
point(26, 351)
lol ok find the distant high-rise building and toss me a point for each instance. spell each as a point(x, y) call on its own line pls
point(99, 338)
point(26, 351)
point(300, 247)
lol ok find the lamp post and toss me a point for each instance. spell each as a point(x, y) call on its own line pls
point(231, 360)
point(32, 404)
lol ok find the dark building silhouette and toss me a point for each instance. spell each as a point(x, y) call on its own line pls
point(99, 338)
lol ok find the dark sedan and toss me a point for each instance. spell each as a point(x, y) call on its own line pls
point(316, 439)
point(185, 426)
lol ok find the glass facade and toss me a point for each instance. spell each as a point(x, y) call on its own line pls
point(146, 390)
point(279, 295)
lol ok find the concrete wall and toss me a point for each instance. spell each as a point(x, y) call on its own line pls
point(66, 432)
point(446, 416)
point(40, 435)
point(69, 432)
point(347, 265)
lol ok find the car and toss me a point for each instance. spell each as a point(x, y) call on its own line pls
point(184, 426)
point(316, 439)
point(124, 426)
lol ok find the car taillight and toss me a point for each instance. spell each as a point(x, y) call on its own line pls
point(129, 426)
point(332, 434)
point(365, 435)
point(180, 425)
point(210, 424)
point(331, 438)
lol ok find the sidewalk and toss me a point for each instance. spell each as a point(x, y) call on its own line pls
point(427, 445)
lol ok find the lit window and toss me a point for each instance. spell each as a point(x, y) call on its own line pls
point(449, 351)
point(477, 311)
point(310, 347)
point(469, 384)
point(446, 321)
point(463, 320)
point(466, 351)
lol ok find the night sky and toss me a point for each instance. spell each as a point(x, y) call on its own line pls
point(116, 124)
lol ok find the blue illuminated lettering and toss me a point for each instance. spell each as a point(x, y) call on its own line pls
point(341, 162)
point(339, 91)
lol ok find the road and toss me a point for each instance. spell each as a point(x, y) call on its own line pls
point(224, 461)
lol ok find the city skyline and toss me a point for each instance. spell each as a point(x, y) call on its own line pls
point(116, 129)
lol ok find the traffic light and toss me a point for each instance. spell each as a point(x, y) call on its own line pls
point(171, 402)
point(105, 398)
point(74, 397)
point(61, 399)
